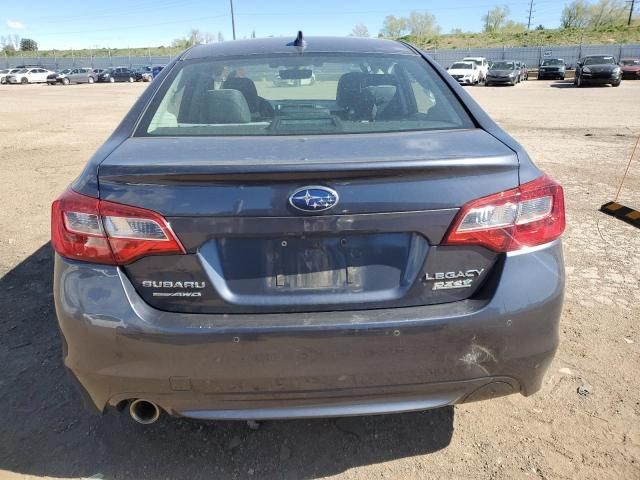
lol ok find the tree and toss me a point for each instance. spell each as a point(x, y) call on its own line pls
point(394, 26)
point(10, 42)
point(28, 45)
point(575, 14)
point(607, 12)
point(220, 37)
point(360, 30)
point(195, 37)
point(540, 27)
point(181, 43)
point(208, 37)
point(513, 27)
point(494, 20)
point(422, 24)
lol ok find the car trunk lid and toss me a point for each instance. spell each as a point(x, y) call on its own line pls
point(248, 250)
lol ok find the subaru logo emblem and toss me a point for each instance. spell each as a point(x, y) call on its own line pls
point(314, 199)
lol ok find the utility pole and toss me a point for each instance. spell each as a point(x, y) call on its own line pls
point(531, 11)
point(233, 20)
point(632, 4)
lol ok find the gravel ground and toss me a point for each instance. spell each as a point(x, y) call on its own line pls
point(582, 137)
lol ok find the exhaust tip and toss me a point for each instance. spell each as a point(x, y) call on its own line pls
point(144, 411)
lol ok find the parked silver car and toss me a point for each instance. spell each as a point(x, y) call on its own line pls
point(76, 75)
point(6, 72)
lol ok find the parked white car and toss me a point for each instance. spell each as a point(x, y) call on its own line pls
point(466, 73)
point(482, 63)
point(29, 75)
point(6, 72)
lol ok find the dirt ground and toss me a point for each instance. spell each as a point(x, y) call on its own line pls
point(582, 137)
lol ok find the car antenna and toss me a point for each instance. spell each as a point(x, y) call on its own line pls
point(300, 43)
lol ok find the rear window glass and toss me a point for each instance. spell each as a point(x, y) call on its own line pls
point(302, 95)
point(599, 60)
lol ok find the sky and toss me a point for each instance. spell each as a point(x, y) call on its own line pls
point(125, 23)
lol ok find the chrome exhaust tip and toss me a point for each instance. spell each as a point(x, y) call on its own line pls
point(144, 411)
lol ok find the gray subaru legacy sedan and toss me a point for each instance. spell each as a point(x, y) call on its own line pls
point(360, 238)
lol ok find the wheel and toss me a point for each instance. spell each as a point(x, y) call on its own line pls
point(24, 81)
point(3, 81)
point(487, 84)
point(112, 80)
point(616, 84)
point(90, 80)
point(578, 82)
point(65, 81)
point(562, 77)
point(131, 79)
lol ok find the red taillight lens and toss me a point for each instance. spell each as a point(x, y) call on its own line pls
point(529, 215)
point(85, 228)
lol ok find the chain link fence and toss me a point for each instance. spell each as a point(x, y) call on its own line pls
point(54, 63)
point(532, 56)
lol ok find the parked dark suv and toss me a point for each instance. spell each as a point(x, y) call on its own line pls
point(598, 70)
point(120, 74)
point(552, 68)
point(370, 243)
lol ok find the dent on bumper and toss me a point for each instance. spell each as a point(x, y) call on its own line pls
point(313, 364)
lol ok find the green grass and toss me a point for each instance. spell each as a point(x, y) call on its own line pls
point(531, 38)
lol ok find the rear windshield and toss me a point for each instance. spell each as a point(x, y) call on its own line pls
point(631, 63)
point(308, 94)
point(599, 60)
point(462, 66)
point(503, 66)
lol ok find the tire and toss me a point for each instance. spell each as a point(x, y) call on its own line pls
point(616, 84)
point(579, 82)
point(90, 80)
point(24, 81)
point(112, 80)
point(66, 81)
point(562, 78)
point(131, 79)
point(3, 81)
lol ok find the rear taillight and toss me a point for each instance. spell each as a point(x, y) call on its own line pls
point(85, 228)
point(529, 215)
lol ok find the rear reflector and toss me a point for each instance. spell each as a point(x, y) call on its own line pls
point(85, 228)
point(529, 215)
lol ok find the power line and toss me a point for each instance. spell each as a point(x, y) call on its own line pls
point(531, 11)
point(233, 20)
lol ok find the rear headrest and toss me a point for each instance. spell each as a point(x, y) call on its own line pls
point(247, 87)
point(349, 86)
point(226, 106)
point(352, 85)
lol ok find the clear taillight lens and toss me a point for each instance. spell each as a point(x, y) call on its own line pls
point(85, 228)
point(135, 228)
point(529, 215)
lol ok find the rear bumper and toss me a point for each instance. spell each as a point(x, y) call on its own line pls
point(464, 81)
point(313, 364)
point(501, 80)
point(559, 74)
point(633, 75)
point(600, 80)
